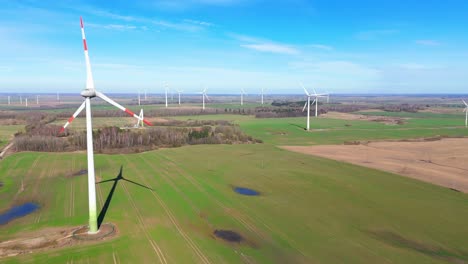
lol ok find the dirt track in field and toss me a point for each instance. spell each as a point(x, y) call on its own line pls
point(443, 162)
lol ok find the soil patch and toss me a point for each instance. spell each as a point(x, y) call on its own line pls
point(50, 238)
point(17, 212)
point(1, 184)
point(388, 120)
point(228, 235)
point(441, 162)
point(246, 191)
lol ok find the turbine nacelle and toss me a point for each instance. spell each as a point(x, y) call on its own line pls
point(88, 93)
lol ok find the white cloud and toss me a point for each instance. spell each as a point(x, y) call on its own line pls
point(113, 26)
point(197, 22)
point(427, 42)
point(272, 48)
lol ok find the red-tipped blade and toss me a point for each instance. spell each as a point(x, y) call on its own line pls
point(61, 130)
point(147, 122)
point(81, 22)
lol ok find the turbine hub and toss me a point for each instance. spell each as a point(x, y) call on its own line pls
point(88, 93)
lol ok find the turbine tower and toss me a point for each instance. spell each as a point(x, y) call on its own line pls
point(203, 93)
point(37, 99)
point(139, 98)
point(179, 92)
point(88, 93)
point(26, 100)
point(9, 100)
point(165, 89)
point(262, 94)
point(242, 93)
point(21, 99)
point(466, 113)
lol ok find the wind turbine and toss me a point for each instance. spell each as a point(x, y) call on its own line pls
point(37, 99)
point(203, 93)
point(466, 113)
point(88, 93)
point(317, 96)
point(26, 102)
point(242, 93)
point(140, 120)
point(165, 89)
point(8, 100)
point(179, 92)
point(139, 98)
point(262, 94)
point(21, 99)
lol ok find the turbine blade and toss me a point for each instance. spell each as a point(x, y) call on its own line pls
point(126, 110)
point(315, 92)
point(303, 109)
point(77, 112)
point(207, 98)
point(305, 90)
point(89, 74)
point(464, 102)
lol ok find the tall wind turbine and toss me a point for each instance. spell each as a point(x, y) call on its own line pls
point(88, 93)
point(204, 95)
point(242, 93)
point(466, 113)
point(139, 98)
point(26, 102)
point(317, 96)
point(179, 92)
point(9, 100)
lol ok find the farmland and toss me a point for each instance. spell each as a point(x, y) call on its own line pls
point(168, 203)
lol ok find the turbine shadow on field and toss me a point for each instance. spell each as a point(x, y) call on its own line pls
point(296, 125)
point(119, 177)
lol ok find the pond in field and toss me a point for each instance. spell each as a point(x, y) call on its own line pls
point(17, 212)
point(246, 191)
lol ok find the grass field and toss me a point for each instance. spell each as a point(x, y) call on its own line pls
point(311, 210)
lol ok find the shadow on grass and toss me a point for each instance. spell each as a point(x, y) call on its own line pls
point(299, 126)
point(105, 207)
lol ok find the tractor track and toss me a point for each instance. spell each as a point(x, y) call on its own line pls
point(174, 221)
point(142, 226)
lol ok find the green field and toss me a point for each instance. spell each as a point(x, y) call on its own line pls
point(311, 210)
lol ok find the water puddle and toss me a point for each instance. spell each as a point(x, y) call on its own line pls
point(246, 191)
point(228, 235)
point(17, 212)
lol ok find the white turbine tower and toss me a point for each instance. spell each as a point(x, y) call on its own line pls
point(262, 94)
point(179, 92)
point(37, 99)
point(139, 98)
point(26, 100)
point(9, 100)
point(466, 113)
point(165, 89)
point(242, 93)
point(21, 99)
point(204, 95)
point(88, 93)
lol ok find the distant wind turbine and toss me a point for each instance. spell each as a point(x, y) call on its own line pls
point(179, 92)
point(37, 99)
point(466, 113)
point(8, 99)
point(165, 89)
point(26, 100)
point(242, 93)
point(204, 95)
point(316, 97)
point(21, 99)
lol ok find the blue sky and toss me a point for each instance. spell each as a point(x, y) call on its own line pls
point(387, 46)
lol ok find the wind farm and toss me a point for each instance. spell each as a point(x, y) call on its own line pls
point(103, 167)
